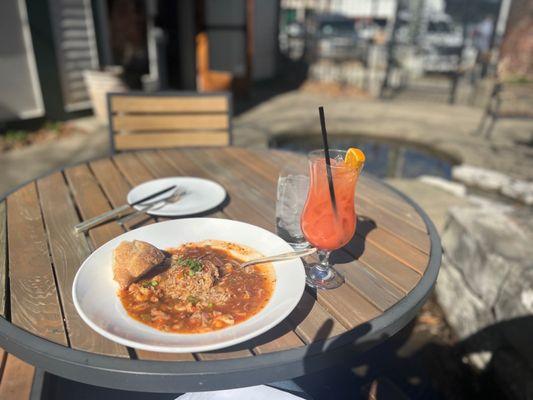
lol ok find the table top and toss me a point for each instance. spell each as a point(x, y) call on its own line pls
point(390, 267)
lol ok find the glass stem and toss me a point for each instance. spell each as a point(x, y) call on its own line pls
point(323, 257)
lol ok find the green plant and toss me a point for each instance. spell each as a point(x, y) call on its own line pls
point(519, 79)
point(15, 136)
point(53, 126)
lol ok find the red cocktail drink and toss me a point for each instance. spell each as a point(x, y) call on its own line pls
point(325, 225)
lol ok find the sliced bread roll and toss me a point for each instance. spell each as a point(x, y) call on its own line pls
point(133, 259)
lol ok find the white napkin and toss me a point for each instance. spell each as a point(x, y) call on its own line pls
point(260, 392)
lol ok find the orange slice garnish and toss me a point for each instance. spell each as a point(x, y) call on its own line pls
point(355, 158)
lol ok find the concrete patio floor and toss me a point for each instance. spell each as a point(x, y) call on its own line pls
point(21, 165)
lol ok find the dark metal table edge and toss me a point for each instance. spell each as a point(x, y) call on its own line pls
point(171, 376)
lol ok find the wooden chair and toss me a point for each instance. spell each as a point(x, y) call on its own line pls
point(208, 80)
point(168, 119)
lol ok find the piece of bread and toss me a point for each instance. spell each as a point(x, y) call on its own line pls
point(133, 259)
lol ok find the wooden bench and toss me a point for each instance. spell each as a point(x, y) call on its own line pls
point(139, 120)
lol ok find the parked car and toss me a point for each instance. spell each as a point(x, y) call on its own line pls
point(292, 40)
point(334, 37)
point(441, 43)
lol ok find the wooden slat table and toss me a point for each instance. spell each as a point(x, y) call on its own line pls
point(390, 267)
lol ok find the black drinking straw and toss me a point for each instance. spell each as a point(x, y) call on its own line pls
point(326, 155)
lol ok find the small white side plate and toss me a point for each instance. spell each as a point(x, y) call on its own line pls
point(200, 195)
point(95, 293)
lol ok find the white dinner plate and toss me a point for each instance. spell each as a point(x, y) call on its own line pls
point(200, 195)
point(95, 292)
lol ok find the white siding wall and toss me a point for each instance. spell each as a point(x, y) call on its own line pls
point(20, 92)
point(366, 8)
point(75, 47)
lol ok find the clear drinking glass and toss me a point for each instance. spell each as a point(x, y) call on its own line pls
point(325, 226)
point(293, 184)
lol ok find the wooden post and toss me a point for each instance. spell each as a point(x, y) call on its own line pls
point(45, 58)
point(187, 44)
point(101, 28)
point(249, 42)
point(457, 72)
point(390, 51)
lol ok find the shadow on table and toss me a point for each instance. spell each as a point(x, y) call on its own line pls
point(421, 368)
point(356, 247)
point(331, 376)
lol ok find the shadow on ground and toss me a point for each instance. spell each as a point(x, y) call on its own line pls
point(418, 365)
point(290, 76)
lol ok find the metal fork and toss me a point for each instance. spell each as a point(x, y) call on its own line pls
point(174, 198)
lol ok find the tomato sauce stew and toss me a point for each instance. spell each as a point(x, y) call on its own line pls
point(199, 289)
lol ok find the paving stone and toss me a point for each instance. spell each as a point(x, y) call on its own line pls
point(480, 177)
point(485, 288)
point(519, 190)
point(457, 189)
point(465, 312)
point(490, 180)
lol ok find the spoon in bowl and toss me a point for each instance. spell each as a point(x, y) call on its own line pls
point(279, 257)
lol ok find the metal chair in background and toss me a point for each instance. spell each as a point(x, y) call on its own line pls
point(507, 101)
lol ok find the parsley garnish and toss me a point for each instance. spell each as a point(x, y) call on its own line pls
point(193, 265)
